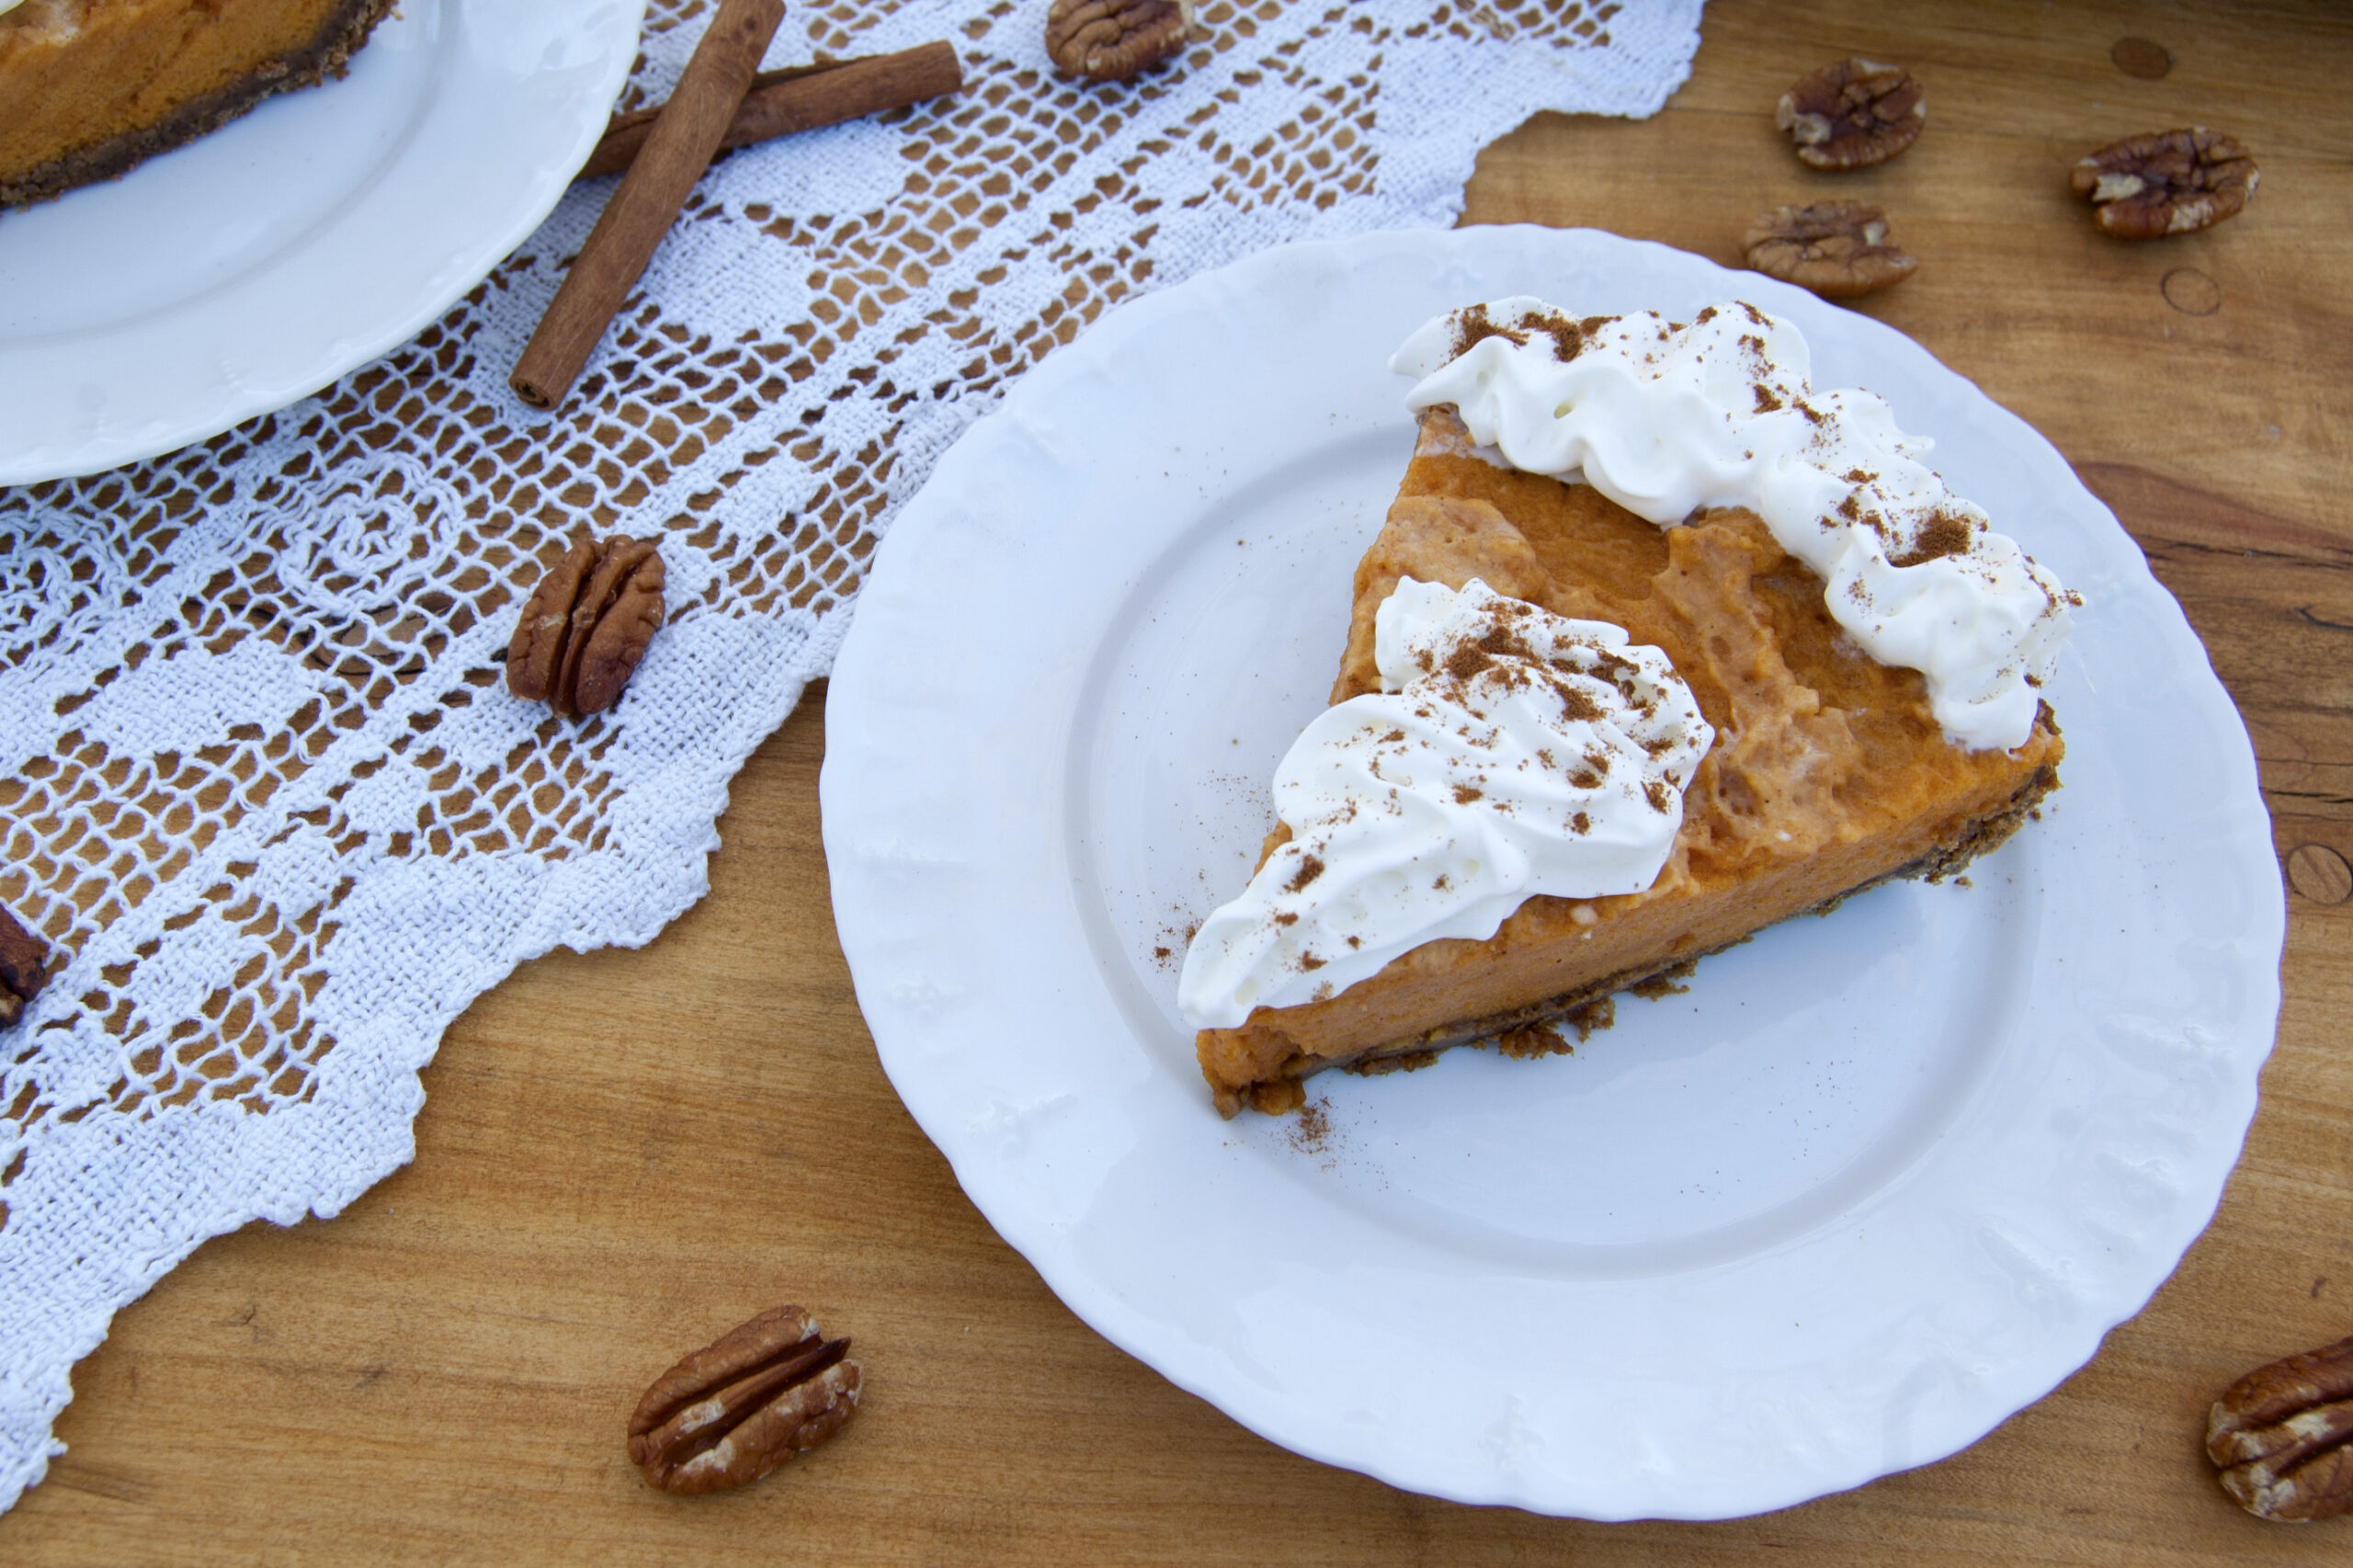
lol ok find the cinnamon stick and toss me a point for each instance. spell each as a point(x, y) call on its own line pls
point(684, 136)
point(804, 98)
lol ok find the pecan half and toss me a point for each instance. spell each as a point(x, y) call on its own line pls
point(2282, 1437)
point(586, 625)
point(734, 1411)
point(1853, 113)
point(1838, 249)
point(1110, 40)
point(24, 968)
point(2171, 182)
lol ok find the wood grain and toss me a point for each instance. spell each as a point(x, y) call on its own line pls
point(625, 1153)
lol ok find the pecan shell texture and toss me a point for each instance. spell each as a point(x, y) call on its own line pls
point(2172, 182)
point(586, 625)
point(1853, 113)
point(24, 968)
point(1110, 40)
point(1838, 249)
point(2281, 1438)
point(729, 1413)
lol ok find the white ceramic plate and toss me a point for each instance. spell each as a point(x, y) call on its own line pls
point(1877, 1181)
point(257, 264)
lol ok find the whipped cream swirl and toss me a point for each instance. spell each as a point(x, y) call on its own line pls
point(1666, 419)
point(1510, 751)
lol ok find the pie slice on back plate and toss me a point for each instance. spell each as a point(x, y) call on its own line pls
point(90, 88)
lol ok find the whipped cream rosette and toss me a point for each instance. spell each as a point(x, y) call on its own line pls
point(1667, 418)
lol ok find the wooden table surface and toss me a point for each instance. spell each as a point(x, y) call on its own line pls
point(623, 1152)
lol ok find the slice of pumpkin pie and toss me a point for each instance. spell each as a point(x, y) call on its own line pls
point(90, 88)
point(1658, 646)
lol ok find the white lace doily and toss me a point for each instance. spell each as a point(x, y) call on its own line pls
point(263, 788)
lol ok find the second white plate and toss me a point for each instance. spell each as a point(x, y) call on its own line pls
point(1877, 1181)
point(256, 264)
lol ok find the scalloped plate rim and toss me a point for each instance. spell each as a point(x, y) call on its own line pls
point(863, 703)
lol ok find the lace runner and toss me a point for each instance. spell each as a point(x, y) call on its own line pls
point(263, 788)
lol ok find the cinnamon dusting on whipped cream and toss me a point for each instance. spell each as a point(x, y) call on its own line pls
point(1511, 752)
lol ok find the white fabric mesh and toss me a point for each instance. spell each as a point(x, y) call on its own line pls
point(263, 788)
